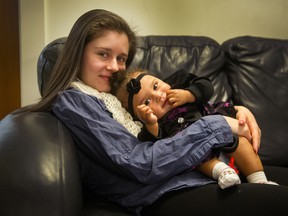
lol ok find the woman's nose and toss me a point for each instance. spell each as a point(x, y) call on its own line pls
point(113, 65)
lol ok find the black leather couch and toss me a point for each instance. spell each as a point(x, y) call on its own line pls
point(39, 173)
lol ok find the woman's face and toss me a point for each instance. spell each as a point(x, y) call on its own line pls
point(102, 57)
point(153, 94)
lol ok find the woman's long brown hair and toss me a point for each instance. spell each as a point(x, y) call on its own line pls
point(89, 26)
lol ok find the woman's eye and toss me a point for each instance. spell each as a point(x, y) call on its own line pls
point(122, 59)
point(103, 54)
point(147, 102)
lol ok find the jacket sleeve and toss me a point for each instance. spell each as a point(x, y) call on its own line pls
point(200, 87)
point(108, 143)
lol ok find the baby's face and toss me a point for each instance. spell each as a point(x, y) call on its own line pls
point(153, 94)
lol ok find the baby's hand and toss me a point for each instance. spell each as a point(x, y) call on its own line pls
point(241, 130)
point(145, 114)
point(178, 97)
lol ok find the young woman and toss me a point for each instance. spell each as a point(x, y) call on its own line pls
point(114, 163)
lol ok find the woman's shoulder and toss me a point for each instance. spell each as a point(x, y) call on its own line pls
point(74, 97)
point(76, 94)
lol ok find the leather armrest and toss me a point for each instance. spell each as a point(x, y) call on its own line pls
point(39, 167)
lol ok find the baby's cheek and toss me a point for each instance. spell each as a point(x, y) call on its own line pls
point(160, 113)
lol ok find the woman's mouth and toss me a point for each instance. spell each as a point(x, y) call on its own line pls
point(106, 77)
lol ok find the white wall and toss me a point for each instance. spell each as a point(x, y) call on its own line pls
point(45, 20)
point(32, 40)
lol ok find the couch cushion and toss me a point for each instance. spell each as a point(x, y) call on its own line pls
point(257, 69)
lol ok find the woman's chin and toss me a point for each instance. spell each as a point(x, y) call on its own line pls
point(106, 89)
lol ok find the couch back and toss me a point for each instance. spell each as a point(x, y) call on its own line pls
point(257, 69)
point(249, 71)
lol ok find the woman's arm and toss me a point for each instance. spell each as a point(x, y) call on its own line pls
point(108, 143)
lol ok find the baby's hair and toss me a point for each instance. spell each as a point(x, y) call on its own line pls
point(119, 81)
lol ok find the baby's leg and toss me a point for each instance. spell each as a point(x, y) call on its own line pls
point(220, 171)
point(249, 163)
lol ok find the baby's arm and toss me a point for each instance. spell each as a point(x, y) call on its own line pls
point(194, 90)
point(145, 114)
point(178, 97)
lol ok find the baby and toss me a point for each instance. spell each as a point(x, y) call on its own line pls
point(165, 111)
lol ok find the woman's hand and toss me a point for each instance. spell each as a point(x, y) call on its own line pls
point(240, 130)
point(245, 116)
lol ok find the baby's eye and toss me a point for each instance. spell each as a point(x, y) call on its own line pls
point(147, 102)
point(155, 86)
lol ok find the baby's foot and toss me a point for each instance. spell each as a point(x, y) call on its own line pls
point(227, 178)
